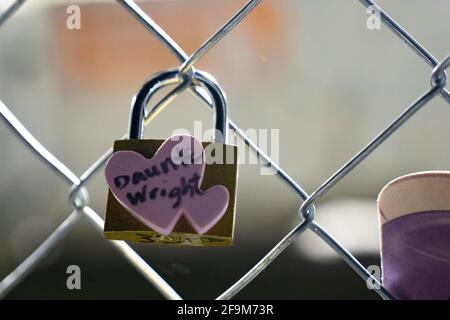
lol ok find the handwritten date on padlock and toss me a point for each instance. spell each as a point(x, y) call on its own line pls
point(158, 191)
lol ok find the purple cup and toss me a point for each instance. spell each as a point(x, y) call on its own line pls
point(414, 212)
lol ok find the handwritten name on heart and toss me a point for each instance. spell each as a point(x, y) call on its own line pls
point(158, 191)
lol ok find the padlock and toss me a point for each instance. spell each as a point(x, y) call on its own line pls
point(176, 191)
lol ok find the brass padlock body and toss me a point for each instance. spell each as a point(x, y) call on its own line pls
point(121, 225)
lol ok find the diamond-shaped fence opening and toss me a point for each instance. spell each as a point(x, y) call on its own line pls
point(79, 198)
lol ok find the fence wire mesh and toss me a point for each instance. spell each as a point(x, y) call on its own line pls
point(79, 197)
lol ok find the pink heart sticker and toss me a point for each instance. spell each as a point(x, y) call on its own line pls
point(158, 191)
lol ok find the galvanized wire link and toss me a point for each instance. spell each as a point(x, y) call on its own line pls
point(350, 260)
point(264, 263)
point(36, 147)
point(408, 39)
point(148, 272)
point(79, 196)
point(10, 11)
point(154, 28)
point(25, 268)
point(438, 81)
point(222, 32)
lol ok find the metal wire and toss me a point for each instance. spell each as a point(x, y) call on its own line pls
point(408, 39)
point(79, 196)
point(26, 267)
point(10, 11)
point(357, 159)
point(349, 258)
point(20, 273)
point(136, 260)
point(222, 32)
point(264, 263)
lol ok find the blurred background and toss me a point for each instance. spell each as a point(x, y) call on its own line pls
point(311, 69)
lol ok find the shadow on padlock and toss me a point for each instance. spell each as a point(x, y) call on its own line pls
point(159, 190)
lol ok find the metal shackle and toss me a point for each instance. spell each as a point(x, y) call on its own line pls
point(165, 78)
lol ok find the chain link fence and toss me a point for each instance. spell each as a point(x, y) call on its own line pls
point(79, 197)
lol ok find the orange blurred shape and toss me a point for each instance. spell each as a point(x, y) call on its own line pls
point(112, 49)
